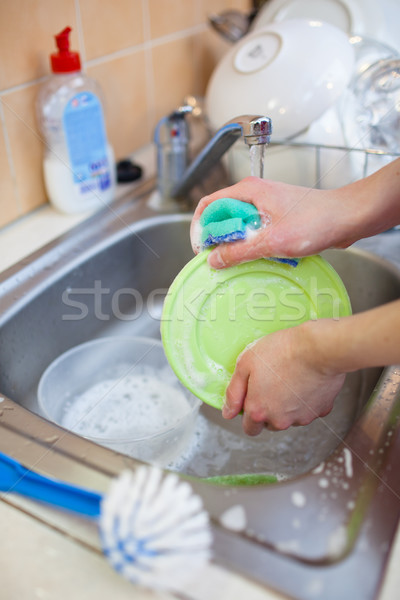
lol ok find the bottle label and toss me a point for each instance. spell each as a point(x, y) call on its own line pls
point(87, 143)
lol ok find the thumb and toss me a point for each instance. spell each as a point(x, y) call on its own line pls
point(234, 253)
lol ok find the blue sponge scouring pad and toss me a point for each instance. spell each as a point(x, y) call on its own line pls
point(228, 220)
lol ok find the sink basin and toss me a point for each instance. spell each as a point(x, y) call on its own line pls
point(336, 508)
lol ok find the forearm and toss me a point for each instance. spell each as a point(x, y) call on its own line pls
point(373, 203)
point(367, 339)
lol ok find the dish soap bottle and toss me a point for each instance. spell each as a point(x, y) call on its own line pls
point(79, 170)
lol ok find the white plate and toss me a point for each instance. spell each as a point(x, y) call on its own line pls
point(291, 72)
point(360, 16)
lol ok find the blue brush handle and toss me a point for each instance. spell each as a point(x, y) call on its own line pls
point(15, 478)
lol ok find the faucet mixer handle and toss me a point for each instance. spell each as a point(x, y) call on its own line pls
point(173, 126)
point(172, 137)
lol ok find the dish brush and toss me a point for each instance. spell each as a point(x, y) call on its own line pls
point(153, 528)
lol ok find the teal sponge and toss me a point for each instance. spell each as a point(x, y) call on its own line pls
point(226, 220)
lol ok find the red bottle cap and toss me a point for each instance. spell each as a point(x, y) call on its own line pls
point(64, 61)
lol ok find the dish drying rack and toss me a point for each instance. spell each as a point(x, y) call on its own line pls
point(368, 160)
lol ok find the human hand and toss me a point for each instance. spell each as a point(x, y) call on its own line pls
point(280, 381)
point(296, 222)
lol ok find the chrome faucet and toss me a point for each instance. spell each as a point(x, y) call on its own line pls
point(175, 178)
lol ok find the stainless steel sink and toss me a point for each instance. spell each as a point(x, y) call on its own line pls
point(308, 536)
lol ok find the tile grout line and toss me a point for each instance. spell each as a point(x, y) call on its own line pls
point(23, 86)
point(79, 27)
point(149, 67)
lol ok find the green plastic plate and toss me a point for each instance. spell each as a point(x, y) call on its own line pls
point(210, 316)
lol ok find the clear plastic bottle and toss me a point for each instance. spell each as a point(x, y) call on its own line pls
point(79, 169)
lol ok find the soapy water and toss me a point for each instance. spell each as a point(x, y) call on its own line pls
point(139, 405)
point(215, 450)
point(134, 406)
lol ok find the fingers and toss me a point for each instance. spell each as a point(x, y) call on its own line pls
point(227, 255)
point(243, 190)
point(251, 427)
point(235, 398)
point(235, 394)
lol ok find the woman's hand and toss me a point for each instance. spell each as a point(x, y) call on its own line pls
point(296, 222)
point(279, 381)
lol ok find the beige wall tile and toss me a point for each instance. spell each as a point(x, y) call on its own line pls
point(26, 146)
point(27, 29)
point(210, 7)
point(209, 50)
point(174, 74)
point(8, 200)
point(170, 16)
point(111, 26)
point(123, 82)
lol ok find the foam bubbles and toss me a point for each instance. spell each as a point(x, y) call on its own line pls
point(133, 406)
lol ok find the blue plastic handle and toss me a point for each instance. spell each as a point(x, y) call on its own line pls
point(15, 478)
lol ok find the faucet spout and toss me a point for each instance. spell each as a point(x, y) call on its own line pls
point(254, 129)
point(175, 178)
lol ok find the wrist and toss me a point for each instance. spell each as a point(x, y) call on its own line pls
point(370, 205)
point(367, 339)
point(323, 346)
point(352, 212)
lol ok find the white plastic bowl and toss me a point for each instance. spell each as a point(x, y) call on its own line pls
point(291, 72)
point(121, 393)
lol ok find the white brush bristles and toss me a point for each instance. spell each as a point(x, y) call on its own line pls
point(154, 529)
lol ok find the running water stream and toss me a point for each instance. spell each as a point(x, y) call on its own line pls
point(257, 159)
